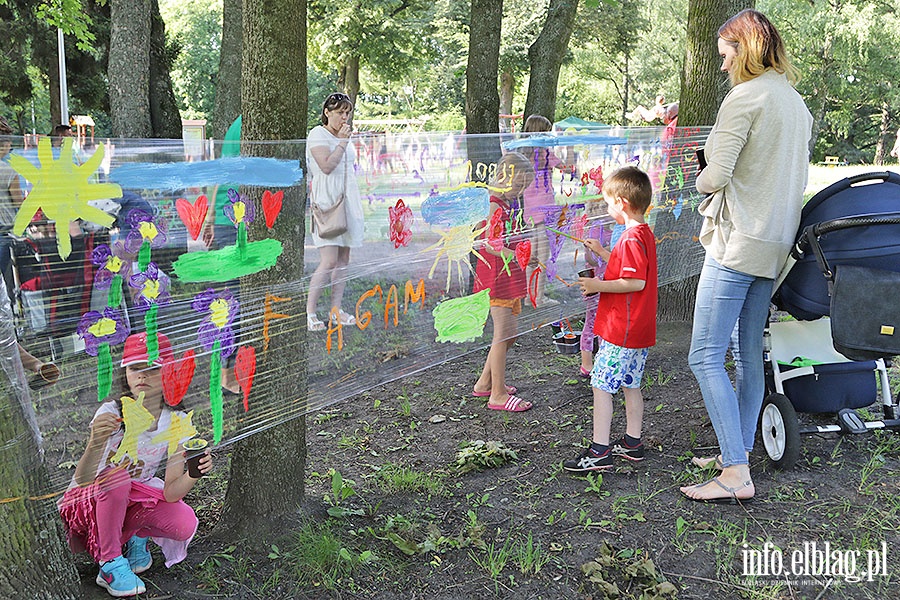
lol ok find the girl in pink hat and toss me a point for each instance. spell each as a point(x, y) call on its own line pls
point(116, 501)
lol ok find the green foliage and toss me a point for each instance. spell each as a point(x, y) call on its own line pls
point(194, 34)
point(341, 490)
point(397, 478)
point(478, 455)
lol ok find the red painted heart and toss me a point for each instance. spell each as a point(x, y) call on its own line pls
point(177, 376)
point(272, 206)
point(245, 370)
point(523, 253)
point(193, 215)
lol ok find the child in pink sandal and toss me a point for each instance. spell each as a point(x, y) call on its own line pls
point(502, 275)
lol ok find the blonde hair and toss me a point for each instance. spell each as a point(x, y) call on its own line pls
point(759, 47)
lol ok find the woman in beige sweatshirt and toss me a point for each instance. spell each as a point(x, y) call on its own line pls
point(757, 155)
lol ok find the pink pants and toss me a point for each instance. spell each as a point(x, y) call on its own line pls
point(590, 315)
point(100, 518)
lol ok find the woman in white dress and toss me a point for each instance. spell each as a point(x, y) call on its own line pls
point(330, 161)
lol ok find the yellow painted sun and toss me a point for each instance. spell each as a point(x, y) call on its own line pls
point(457, 243)
point(62, 190)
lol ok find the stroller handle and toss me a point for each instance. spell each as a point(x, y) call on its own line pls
point(860, 177)
point(809, 239)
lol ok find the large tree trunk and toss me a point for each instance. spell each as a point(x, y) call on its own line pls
point(267, 470)
point(129, 68)
point(545, 56)
point(227, 105)
point(482, 98)
point(34, 560)
point(703, 84)
point(165, 117)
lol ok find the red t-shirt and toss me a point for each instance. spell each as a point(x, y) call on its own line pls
point(503, 285)
point(629, 320)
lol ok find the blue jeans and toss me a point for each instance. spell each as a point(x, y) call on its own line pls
point(731, 309)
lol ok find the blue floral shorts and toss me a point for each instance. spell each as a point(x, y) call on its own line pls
point(616, 367)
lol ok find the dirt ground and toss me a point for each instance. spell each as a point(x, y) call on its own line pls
point(406, 522)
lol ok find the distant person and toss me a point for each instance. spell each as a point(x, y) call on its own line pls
point(539, 196)
point(504, 278)
point(625, 322)
point(330, 160)
point(654, 113)
point(59, 134)
point(757, 158)
point(11, 197)
point(595, 229)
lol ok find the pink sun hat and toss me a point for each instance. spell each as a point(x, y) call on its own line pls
point(136, 350)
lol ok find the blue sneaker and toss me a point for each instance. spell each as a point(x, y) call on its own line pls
point(138, 555)
point(118, 579)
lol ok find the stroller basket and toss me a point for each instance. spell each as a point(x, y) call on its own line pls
point(829, 387)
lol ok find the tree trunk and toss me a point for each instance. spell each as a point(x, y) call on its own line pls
point(267, 470)
point(482, 99)
point(128, 70)
point(884, 134)
point(351, 78)
point(703, 84)
point(227, 105)
point(34, 560)
point(507, 90)
point(545, 56)
point(164, 114)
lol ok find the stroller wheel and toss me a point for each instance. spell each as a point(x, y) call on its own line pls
point(780, 431)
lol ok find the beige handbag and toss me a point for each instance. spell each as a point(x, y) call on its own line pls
point(331, 222)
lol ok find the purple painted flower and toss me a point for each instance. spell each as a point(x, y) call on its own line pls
point(96, 328)
point(219, 310)
point(153, 285)
point(238, 210)
point(141, 226)
point(109, 264)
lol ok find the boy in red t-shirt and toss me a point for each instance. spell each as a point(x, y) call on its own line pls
point(625, 322)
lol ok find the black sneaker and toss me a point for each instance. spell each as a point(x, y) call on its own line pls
point(621, 448)
point(589, 461)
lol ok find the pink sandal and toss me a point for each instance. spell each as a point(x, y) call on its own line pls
point(513, 404)
point(510, 389)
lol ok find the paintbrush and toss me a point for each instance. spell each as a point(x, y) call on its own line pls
point(562, 233)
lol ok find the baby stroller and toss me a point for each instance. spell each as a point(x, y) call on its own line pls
point(842, 284)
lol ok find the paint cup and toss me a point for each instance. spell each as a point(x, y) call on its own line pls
point(567, 342)
point(589, 272)
point(48, 374)
point(195, 450)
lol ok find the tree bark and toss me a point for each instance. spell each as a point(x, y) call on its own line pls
point(884, 135)
point(351, 78)
point(703, 85)
point(165, 117)
point(546, 55)
point(34, 560)
point(267, 470)
point(227, 105)
point(507, 90)
point(482, 98)
point(128, 70)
